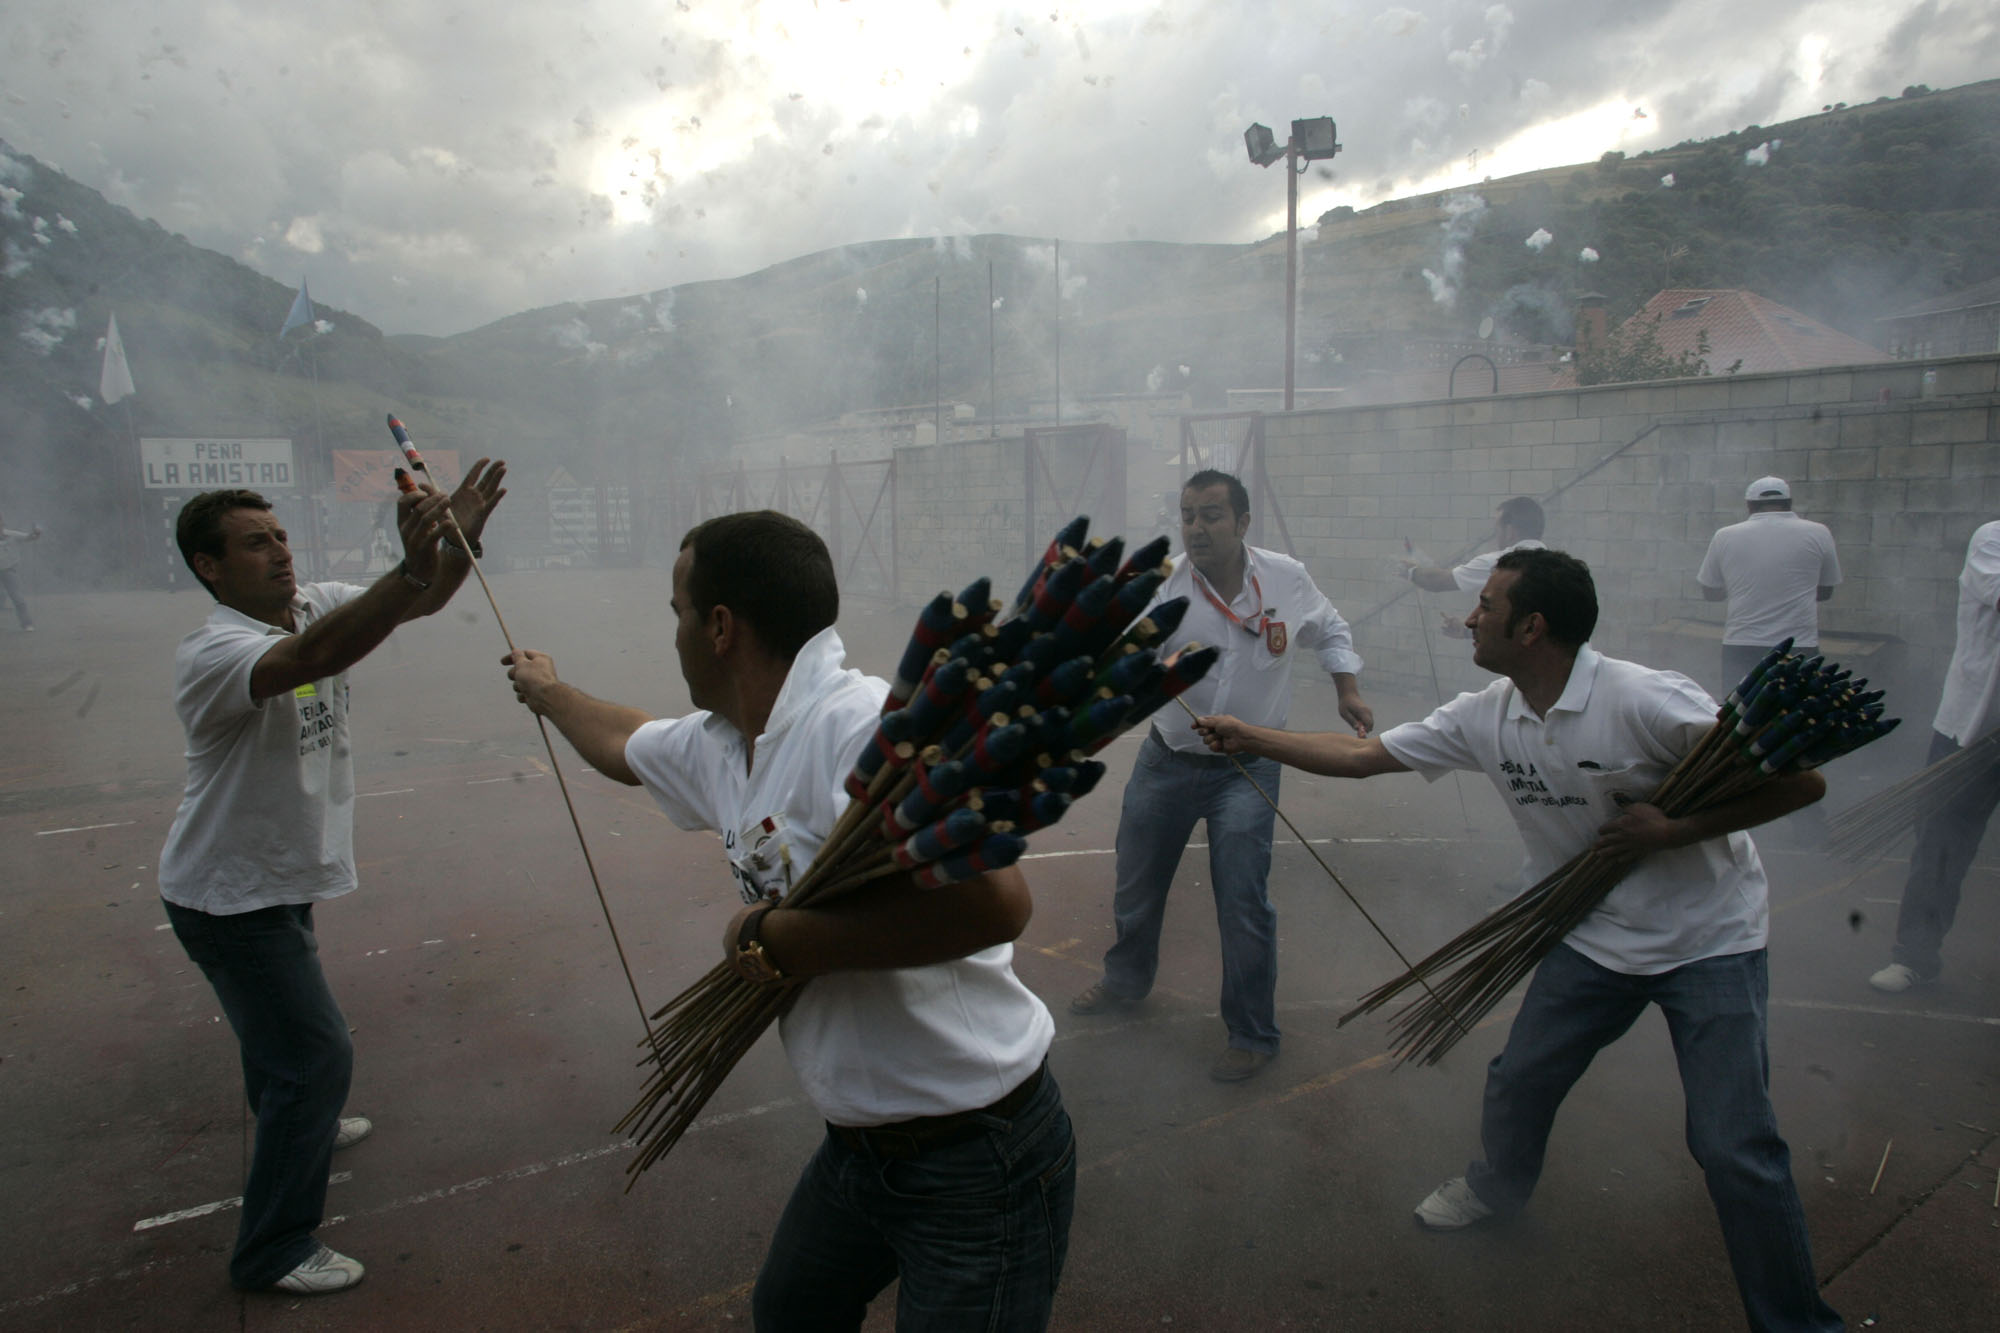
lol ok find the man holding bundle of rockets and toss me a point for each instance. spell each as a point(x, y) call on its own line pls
point(266, 829)
point(948, 1162)
point(1575, 742)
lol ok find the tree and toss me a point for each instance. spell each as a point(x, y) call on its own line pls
point(1632, 353)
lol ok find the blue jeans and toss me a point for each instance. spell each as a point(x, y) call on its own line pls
point(1948, 838)
point(976, 1230)
point(1715, 1014)
point(297, 1060)
point(1167, 795)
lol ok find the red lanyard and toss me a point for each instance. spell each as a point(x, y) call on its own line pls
point(1256, 591)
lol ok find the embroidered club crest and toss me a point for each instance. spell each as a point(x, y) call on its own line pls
point(1275, 638)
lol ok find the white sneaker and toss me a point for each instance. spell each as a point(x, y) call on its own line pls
point(327, 1271)
point(353, 1129)
point(1897, 978)
point(1452, 1206)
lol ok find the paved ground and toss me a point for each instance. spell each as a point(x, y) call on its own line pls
point(495, 1036)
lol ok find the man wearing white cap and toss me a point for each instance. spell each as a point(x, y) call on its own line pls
point(1774, 568)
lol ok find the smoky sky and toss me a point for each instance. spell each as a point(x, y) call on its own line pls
point(432, 166)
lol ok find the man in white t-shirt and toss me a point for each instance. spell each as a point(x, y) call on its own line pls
point(948, 1163)
point(1948, 835)
point(1517, 526)
point(1262, 609)
point(10, 556)
point(1574, 741)
point(265, 829)
point(1773, 568)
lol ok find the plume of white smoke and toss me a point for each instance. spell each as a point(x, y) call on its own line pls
point(663, 310)
point(44, 329)
point(16, 263)
point(1043, 257)
point(1667, 181)
point(64, 224)
point(861, 296)
point(1461, 218)
point(322, 327)
point(574, 336)
point(1156, 379)
point(1399, 22)
point(1586, 256)
point(83, 400)
point(41, 232)
point(10, 204)
point(1539, 241)
point(1758, 156)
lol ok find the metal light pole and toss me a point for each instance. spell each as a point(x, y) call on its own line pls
point(1310, 141)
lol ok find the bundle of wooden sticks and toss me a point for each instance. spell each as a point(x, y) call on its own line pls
point(985, 737)
point(1789, 714)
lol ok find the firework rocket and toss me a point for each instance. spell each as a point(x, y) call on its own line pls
point(408, 447)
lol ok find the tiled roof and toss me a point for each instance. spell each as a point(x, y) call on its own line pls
point(1762, 334)
point(1966, 298)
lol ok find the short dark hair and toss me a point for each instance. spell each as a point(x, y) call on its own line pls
point(1558, 586)
point(1522, 514)
point(770, 570)
point(198, 530)
point(1239, 497)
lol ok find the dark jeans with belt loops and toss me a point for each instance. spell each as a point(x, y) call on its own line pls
point(974, 1231)
point(297, 1061)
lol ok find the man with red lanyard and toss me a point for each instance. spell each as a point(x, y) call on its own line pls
point(1259, 607)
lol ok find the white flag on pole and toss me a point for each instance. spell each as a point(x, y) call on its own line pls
point(115, 381)
point(301, 312)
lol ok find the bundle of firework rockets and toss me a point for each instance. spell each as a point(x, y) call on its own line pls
point(1790, 714)
point(985, 738)
point(1870, 828)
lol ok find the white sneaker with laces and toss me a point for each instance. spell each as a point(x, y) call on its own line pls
point(353, 1129)
point(327, 1271)
point(1452, 1206)
point(1897, 978)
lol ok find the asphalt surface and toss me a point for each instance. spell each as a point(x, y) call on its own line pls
point(495, 1042)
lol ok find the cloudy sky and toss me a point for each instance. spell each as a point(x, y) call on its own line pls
point(433, 165)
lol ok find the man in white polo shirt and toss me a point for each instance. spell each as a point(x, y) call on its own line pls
point(948, 1163)
point(1261, 609)
point(1948, 836)
point(1574, 741)
point(1773, 568)
point(1517, 526)
point(266, 829)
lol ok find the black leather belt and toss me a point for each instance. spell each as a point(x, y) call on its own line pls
point(912, 1138)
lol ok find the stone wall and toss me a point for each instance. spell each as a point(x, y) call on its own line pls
point(1635, 480)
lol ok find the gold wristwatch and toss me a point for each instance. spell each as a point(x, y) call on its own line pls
point(751, 959)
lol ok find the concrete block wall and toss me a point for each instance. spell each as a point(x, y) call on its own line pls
point(1901, 482)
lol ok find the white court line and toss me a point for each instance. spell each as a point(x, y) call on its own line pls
point(1275, 842)
point(1938, 1015)
point(84, 828)
point(512, 777)
point(477, 1182)
point(220, 1205)
point(399, 791)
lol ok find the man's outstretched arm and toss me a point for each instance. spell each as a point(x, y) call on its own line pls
point(596, 727)
point(1326, 752)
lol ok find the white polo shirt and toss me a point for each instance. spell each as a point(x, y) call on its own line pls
point(1472, 575)
point(267, 818)
point(869, 1047)
point(1772, 565)
point(1250, 681)
point(1618, 727)
point(1966, 711)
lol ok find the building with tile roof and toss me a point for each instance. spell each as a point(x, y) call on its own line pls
point(1748, 332)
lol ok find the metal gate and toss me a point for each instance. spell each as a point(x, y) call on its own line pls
point(1071, 470)
point(850, 505)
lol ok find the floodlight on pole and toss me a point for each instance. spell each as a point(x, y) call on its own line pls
point(1311, 141)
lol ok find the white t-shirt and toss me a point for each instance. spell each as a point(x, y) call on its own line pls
point(268, 814)
point(869, 1047)
point(1472, 575)
point(1251, 681)
point(1618, 727)
point(1966, 710)
point(1772, 565)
